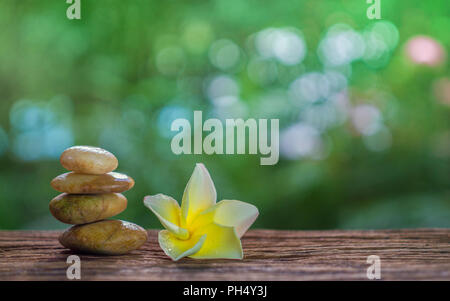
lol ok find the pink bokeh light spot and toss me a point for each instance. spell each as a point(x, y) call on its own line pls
point(425, 50)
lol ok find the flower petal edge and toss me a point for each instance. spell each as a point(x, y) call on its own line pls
point(176, 248)
point(168, 212)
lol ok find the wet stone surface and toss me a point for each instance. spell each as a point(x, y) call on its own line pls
point(88, 160)
point(76, 183)
point(86, 208)
point(107, 237)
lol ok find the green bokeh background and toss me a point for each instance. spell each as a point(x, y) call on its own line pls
point(120, 75)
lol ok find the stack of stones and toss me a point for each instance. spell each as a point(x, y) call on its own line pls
point(91, 193)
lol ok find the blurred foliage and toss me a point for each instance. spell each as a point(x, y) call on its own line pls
point(120, 75)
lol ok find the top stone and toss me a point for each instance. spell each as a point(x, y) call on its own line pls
point(88, 160)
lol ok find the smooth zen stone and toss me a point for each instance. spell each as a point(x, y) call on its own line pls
point(76, 183)
point(86, 208)
point(109, 237)
point(88, 160)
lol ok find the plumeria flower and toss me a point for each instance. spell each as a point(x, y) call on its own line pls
point(201, 228)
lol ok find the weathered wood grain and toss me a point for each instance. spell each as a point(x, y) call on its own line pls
point(419, 254)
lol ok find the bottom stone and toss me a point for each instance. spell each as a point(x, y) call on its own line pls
point(107, 237)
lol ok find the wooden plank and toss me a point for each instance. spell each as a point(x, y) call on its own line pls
point(419, 254)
